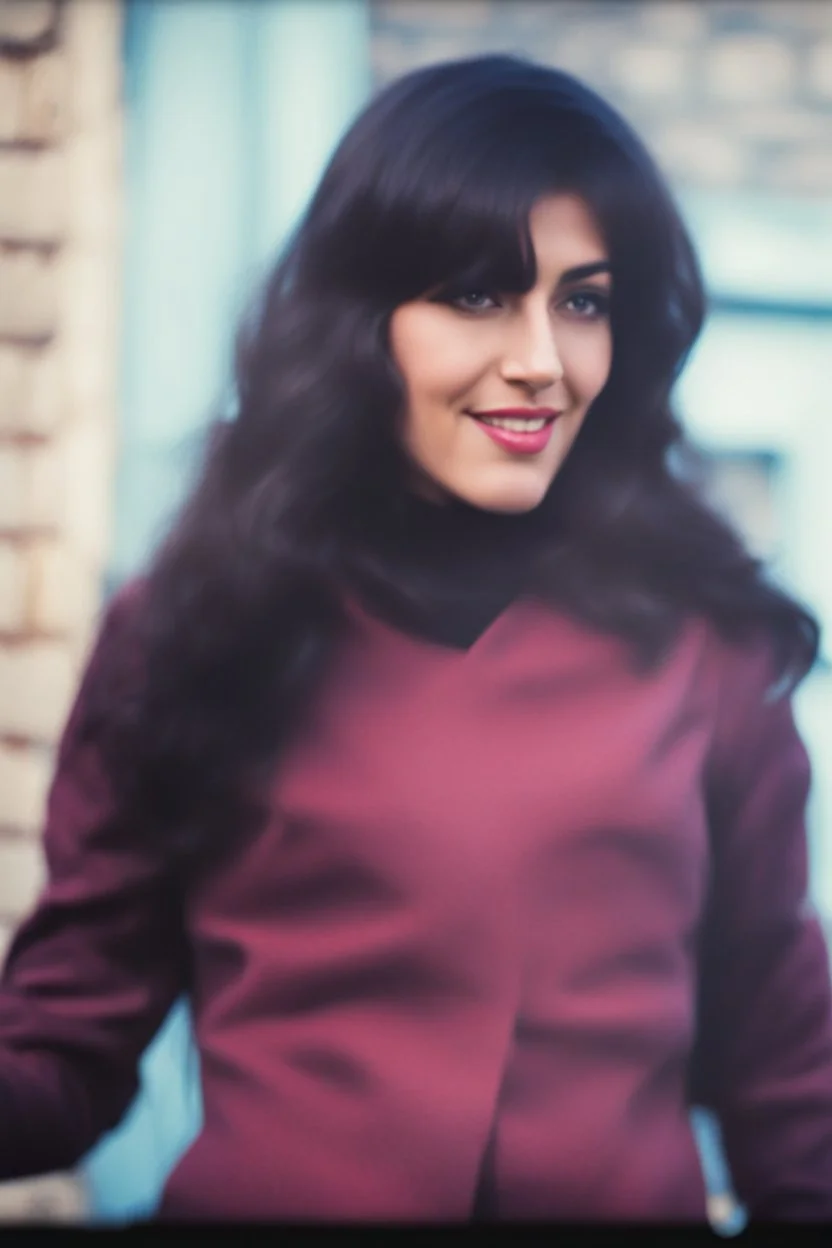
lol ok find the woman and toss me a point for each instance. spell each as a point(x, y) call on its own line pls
point(442, 756)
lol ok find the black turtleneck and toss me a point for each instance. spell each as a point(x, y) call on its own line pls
point(452, 568)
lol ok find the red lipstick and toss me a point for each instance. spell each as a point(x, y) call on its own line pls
point(529, 441)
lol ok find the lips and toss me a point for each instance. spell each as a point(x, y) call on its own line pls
point(514, 414)
point(524, 431)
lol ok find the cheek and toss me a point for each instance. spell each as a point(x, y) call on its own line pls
point(587, 359)
point(436, 362)
point(442, 374)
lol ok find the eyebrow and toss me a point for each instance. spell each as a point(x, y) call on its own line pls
point(582, 271)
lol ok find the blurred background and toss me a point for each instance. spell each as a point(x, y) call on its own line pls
point(153, 156)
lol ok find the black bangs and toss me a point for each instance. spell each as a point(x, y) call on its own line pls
point(431, 192)
point(454, 226)
point(481, 241)
point(436, 190)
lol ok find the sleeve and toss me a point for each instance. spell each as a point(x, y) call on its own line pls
point(763, 1059)
point(92, 973)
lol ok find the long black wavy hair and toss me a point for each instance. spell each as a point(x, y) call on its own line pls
point(242, 606)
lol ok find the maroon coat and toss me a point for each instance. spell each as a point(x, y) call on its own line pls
point(473, 927)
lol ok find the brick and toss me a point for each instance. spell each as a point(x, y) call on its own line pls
point(699, 154)
point(525, 19)
point(609, 20)
point(462, 14)
point(31, 487)
point(579, 51)
point(21, 876)
point(11, 80)
point(34, 99)
point(652, 70)
point(13, 584)
point(46, 485)
point(423, 14)
point(37, 683)
point(89, 456)
point(64, 590)
point(43, 401)
point(31, 393)
point(13, 486)
point(749, 68)
point(44, 99)
point(54, 1198)
point(779, 124)
point(93, 43)
point(94, 185)
point(814, 17)
point(677, 21)
point(787, 18)
point(25, 776)
point(32, 196)
point(819, 70)
point(28, 296)
point(26, 22)
point(12, 367)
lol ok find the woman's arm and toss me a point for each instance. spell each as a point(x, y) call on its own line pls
point(764, 1052)
point(92, 973)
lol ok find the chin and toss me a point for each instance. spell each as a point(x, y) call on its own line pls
point(513, 500)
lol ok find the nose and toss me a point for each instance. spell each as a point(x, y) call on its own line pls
point(531, 358)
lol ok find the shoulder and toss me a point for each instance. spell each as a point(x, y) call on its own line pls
point(752, 716)
point(742, 669)
point(112, 666)
point(746, 677)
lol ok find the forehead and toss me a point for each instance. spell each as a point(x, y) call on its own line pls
point(565, 232)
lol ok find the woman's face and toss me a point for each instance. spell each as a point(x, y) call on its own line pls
point(473, 362)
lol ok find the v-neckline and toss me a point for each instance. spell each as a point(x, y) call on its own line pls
point(446, 651)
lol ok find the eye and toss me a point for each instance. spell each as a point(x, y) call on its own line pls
point(589, 305)
point(473, 301)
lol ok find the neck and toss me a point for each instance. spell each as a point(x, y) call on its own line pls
point(446, 568)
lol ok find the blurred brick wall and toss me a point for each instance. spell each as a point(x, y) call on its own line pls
point(729, 94)
point(60, 129)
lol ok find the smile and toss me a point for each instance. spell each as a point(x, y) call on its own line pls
point(517, 431)
point(512, 422)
